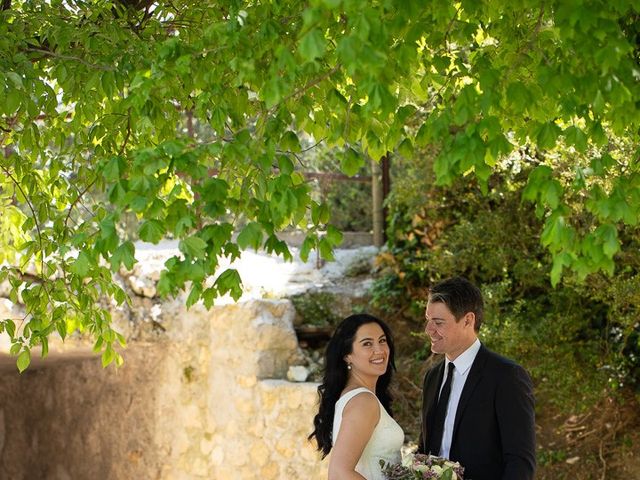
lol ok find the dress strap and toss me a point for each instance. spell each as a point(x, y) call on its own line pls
point(344, 399)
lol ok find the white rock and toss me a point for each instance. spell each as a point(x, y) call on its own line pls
point(297, 373)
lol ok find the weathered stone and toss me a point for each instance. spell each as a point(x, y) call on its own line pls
point(247, 381)
point(297, 373)
point(144, 287)
point(259, 453)
point(2, 431)
point(270, 471)
point(201, 394)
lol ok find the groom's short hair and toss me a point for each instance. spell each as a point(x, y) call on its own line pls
point(460, 296)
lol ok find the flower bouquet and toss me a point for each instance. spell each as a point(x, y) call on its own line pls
point(423, 467)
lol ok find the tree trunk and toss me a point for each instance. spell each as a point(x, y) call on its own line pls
point(378, 199)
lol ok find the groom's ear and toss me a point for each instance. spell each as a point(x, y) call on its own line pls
point(470, 319)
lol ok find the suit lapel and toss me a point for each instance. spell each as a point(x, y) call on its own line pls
point(475, 375)
point(431, 393)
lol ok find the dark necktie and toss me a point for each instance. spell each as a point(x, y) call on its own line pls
point(435, 437)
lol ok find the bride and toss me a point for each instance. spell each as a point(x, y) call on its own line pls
point(354, 417)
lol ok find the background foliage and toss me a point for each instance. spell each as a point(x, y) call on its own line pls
point(102, 97)
point(578, 339)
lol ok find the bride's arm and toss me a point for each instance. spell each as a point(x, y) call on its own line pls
point(359, 418)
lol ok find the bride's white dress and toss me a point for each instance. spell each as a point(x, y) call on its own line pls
point(385, 441)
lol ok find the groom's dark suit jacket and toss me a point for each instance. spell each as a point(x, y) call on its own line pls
point(494, 427)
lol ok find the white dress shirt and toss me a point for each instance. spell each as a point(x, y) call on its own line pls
point(462, 366)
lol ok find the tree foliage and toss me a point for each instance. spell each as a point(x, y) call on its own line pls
point(100, 96)
point(579, 340)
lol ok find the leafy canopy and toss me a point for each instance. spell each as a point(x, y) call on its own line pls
point(100, 99)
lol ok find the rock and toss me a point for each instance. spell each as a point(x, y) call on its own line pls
point(297, 373)
point(142, 286)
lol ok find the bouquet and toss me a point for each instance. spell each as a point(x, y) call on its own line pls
point(423, 467)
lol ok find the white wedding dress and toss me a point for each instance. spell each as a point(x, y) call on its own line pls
point(385, 441)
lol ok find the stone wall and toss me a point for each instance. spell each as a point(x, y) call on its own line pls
point(204, 398)
point(201, 395)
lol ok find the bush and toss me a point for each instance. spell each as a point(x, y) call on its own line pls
point(577, 340)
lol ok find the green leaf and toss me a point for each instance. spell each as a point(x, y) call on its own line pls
point(229, 282)
point(519, 96)
point(45, 346)
point(609, 237)
point(16, 79)
point(598, 103)
point(326, 249)
point(10, 327)
point(351, 162)
point(82, 265)
point(24, 360)
point(547, 135)
point(152, 231)
point(108, 356)
point(208, 296)
point(375, 148)
point(13, 102)
point(312, 45)
point(334, 236)
point(124, 254)
point(193, 247)
point(61, 327)
point(250, 236)
point(423, 137)
point(348, 50)
point(114, 169)
point(559, 262)
point(290, 142)
point(553, 194)
point(320, 214)
point(406, 148)
point(308, 244)
point(285, 165)
point(194, 295)
point(577, 138)
point(166, 284)
point(331, 4)
point(272, 92)
point(538, 177)
point(380, 98)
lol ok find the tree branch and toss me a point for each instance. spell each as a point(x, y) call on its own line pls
point(49, 53)
point(75, 202)
point(127, 135)
point(33, 212)
point(29, 277)
point(308, 86)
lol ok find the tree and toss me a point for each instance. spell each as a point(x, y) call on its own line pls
point(99, 97)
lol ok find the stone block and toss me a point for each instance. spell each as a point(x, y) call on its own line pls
point(270, 471)
point(259, 454)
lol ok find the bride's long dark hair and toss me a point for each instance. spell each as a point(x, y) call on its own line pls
point(336, 374)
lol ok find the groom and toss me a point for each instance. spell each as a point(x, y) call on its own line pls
point(477, 407)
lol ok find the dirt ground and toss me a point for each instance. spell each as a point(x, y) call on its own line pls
point(601, 444)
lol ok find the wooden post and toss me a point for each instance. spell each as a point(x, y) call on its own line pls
point(378, 199)
point(386, 190)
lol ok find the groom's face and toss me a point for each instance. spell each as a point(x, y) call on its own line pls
point(448, 335)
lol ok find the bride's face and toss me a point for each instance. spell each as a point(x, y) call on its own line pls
point(370, 351)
